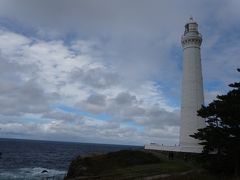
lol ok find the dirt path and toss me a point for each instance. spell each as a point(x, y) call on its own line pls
point(169, 175)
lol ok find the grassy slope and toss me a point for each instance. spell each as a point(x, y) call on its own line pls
point(126, 165)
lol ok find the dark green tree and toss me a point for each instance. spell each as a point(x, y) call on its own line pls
point(221, 137)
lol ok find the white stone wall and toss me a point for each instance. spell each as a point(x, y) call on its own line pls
point(191, 149)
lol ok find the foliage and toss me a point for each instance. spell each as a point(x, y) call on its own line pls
point(222, 133)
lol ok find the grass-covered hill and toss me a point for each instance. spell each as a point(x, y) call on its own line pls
point(125, 164)
point(144, 165)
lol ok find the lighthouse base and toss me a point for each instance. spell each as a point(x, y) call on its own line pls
point(188, 149)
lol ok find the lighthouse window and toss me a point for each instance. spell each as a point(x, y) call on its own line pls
point(186, 28)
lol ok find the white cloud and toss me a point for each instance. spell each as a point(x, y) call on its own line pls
point(61, 75)
point(210, 96)
point(116, 58)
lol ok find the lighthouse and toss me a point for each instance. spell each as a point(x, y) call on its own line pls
point(192, 93)
point(192, 87)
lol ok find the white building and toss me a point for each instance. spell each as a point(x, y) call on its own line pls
point(192, 92)
point(192, 85)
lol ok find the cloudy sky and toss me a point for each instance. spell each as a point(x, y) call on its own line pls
point(107, 71)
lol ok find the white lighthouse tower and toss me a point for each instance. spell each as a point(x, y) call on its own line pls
point(192, 93)
point(192, 88)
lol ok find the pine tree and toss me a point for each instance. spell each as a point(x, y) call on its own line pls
point(221, 136)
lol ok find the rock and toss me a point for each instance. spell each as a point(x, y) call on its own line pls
point(44, 171)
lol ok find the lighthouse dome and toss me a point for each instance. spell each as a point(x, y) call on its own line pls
point(191, 26)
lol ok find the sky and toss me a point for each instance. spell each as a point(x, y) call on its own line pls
point(107, 71)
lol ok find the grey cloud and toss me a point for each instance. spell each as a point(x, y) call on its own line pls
point(126, 107)
point(160, 117)
point(125, 98)
point(95, 77)
point(17, 129)
point(135, 36)
point(97, 99)
point(12, 72)
point(18, 95)
point(26, 98)
point(155, 117)
point(166, 132)
point(95, 103)
point(123, 107)
point(214, 63)
point(107, 14)
point(134, 112)
point(57, 115)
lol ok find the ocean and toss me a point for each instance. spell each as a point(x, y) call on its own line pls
point(28, 159)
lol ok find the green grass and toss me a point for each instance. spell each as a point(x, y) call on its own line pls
point(105, 163)
point(139, 171)
point(126, 165)
point(199, 176)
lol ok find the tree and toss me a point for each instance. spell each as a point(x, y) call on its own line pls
point(221, 136)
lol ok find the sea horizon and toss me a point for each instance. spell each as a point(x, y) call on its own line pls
point(80, 142)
